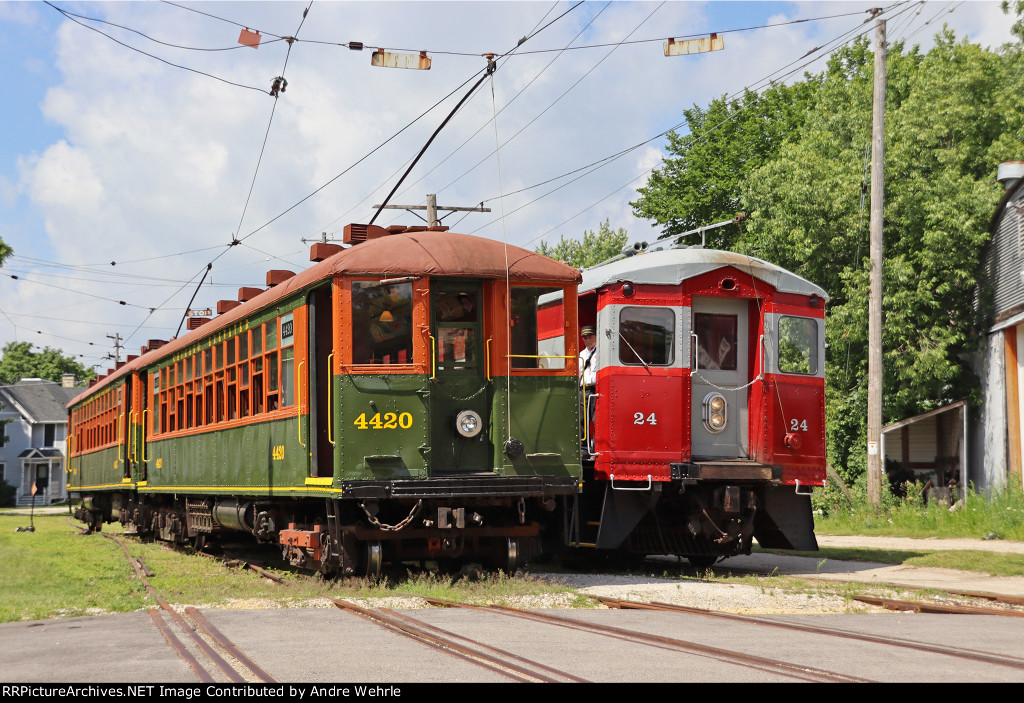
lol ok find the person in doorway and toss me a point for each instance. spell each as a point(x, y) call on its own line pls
point(588, 382)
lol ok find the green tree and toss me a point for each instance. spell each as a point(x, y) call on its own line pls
point(593, 249)
point(1018, 8)
point(952, 115)
point(18, 361)
point(701, 182)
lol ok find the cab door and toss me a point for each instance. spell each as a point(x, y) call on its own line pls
point(719, 378)
point(459, 389)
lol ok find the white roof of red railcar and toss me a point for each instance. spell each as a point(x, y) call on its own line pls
point(423, 253)
point(673, 266)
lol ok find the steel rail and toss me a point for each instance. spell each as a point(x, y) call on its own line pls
point(959, 652)
point(212, 655)
point(228, 645)
point(445, 642)
point(922, 607)
point(445, 633)
point(797, 671)
point(202, 674)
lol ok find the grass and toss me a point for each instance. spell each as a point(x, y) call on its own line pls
point(996, 516)
point(55, 572)
point(992, 563)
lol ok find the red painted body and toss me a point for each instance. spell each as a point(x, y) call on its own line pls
point(672, 481)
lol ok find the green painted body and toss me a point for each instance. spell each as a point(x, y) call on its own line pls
point(103, 468)
point(269, 459)
point(259, 459)
point(384, 427)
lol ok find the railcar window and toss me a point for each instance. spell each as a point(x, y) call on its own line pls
point(456, 319)
point(381, 322)
point(647, 336)
point(716, 341)
point(798, 345)
point(538, 332)
point(287, 376)
point(272, 375)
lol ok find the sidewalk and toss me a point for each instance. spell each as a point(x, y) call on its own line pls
point(820, 568)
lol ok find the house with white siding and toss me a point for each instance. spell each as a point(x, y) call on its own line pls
point(33, 432)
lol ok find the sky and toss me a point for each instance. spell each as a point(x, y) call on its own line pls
point(140, 140)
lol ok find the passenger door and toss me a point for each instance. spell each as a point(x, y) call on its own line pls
point(458, 378)
point(720, 369)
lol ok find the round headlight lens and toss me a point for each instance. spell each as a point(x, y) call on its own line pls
point(468, 423)
point(714, 412)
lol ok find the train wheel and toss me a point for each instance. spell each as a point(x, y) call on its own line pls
point(512, 558)
point(374, 561)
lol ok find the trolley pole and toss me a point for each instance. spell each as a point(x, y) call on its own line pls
point(875, 297)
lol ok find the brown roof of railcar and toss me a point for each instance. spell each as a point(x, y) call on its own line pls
point(406, 254)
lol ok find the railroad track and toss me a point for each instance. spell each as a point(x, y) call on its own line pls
point(236, 667)
point(773, 666)
point(958, 652)
point(499, 661)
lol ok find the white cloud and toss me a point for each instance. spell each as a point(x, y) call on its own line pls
point(63, 178)
point(155, 160)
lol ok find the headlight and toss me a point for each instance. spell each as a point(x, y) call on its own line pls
point(468, 423)
point(715, 412)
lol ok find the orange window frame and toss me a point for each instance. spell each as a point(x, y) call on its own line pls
point(344, 333)
point(497, 323)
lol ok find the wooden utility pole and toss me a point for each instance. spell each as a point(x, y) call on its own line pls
point(432, 207)
point(875, 297)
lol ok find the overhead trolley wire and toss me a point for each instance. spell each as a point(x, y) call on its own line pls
point(506, 105)
point(857, 31)
point(152, 56)
point(68, 13)
point(529, 36)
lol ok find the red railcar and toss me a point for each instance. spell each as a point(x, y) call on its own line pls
point(706, 425)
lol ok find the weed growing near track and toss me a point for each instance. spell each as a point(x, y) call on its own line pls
point(999, 515)
point(55, 572)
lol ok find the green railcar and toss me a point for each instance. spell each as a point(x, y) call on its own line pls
point(405, 398)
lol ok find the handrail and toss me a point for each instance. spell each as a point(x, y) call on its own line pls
point(131, 437)
point(650, 483)
point(433, 357)
point(144, 457)
point(298, 399)
point(330, 393)
point(487, 358)
point(120, 440)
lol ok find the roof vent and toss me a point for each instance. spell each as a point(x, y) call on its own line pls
point(323, 250)
point(357, 233)
point(276, 277)
point(1010, 173)
point(246, 294)
point(195, 323)
point(155, 343)
point(224, 305)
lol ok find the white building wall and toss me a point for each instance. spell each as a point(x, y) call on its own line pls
point(988, 460)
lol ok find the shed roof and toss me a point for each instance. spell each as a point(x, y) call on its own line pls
point(673, 266)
